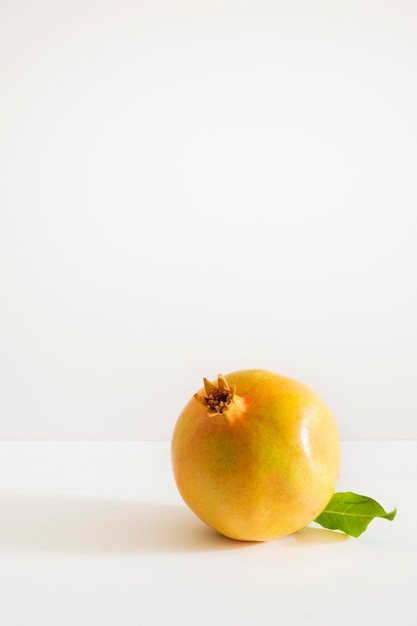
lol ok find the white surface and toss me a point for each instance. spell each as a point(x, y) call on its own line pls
point(190, 188)
point(96, 533)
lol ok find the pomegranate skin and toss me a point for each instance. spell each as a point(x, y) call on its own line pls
point(256, 455)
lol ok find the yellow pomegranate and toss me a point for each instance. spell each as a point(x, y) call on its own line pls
point(256, 455)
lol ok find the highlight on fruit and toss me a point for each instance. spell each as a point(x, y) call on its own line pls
point(256, 456)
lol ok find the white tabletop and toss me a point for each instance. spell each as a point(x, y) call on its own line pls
point(96, 534)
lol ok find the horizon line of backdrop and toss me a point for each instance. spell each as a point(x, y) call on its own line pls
point(193, 188)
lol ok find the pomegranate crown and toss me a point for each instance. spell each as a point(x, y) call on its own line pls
point(218, 396)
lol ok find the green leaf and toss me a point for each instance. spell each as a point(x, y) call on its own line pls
point(351, 513)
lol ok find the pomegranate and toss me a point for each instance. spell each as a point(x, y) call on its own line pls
point(256, 455)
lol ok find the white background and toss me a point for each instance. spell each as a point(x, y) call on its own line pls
point(190, 188)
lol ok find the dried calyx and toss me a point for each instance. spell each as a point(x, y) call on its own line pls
point(219, 395)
